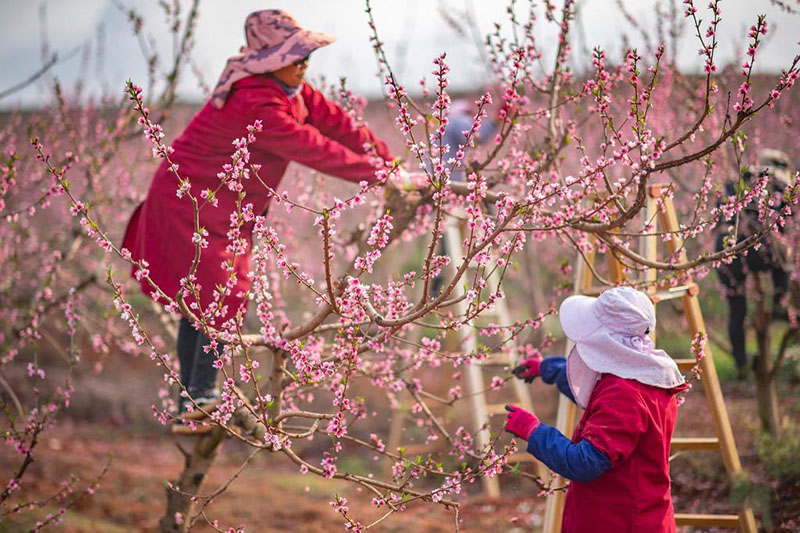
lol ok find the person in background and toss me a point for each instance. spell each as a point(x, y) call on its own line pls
point(618, 459)
point(265, 82)
point(459, 123)
point(772, 257)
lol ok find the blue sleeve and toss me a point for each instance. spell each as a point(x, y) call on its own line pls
point(486, 131)
point(454, 132)
point(580, 461)
point(554, 370)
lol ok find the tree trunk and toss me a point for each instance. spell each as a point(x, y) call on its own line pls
point(195, 467)
point(765, 378)
point(197, 463)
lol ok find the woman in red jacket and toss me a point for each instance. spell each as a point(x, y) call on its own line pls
point(618, 459)
point(264, 82)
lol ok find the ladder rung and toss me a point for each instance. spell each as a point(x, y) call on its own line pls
point(686, 364)
point(707, 520)
point(593, 291)
point(658, 296)
point(694, 443)
point(521, 458)
point(673, 292)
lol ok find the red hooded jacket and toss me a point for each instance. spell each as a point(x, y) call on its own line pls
point(631, 424)
point(305, 127)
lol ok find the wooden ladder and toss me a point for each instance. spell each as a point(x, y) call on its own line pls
point(503, 361)
point(665, 216)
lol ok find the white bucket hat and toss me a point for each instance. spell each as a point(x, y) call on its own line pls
point(580, 377)
point(610, 336)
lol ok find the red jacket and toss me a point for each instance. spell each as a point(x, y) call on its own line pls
point(306, 128)
point(632, 424)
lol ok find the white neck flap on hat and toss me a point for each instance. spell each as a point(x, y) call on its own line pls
point(581, 378)
point(607, 352)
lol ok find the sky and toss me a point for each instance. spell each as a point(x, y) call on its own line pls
point(415, 32)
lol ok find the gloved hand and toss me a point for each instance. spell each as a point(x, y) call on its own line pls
point(520, 422)
point(528, 370)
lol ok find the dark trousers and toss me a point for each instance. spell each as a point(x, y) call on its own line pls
point(198, 374)
point(734, 277)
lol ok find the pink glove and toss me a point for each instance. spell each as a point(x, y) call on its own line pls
point(528, 370)
point(520, 422)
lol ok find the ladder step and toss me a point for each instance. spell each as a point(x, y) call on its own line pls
point(521, 458)
point(593, 291)
point(658, 296)
point(694, 443)
point(674, 292)
point(685, 364)
point(707, 520)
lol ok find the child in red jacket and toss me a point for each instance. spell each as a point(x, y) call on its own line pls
point(618, 458)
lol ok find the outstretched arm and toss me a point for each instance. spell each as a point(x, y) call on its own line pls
point(580, 461)
point(331, 120)
point(552, 370)
point(283, 136)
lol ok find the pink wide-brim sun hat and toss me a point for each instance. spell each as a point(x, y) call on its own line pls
point(274, 40)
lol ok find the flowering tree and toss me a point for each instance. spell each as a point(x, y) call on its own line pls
point(53, 294)
point(570, 165)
